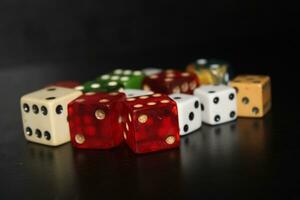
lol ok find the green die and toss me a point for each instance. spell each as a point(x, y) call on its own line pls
point(128, 78)
point(96, 86)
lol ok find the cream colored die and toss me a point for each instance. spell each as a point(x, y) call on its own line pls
point(44, 115)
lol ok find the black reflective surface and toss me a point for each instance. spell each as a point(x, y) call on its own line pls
point(247, 158)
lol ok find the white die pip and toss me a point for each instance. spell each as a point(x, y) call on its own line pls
point(44, 115)
point(218, 103)
point(189, 112)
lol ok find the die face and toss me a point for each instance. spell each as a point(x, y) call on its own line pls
point(44, 115)
point(65, 84)
point(171, 81)
point(218, 103)
point(95, 120)
point(253, 95)
point(151, 71)
point(136, 93)
point(151, 123)
point(105, 86)
point(128, 78)
point(189, 112)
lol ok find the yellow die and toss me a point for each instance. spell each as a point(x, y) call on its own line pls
point(205, 76)
point(253, 95)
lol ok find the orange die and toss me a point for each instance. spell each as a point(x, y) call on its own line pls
point(253, 95)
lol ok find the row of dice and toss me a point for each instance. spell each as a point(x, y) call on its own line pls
point(147, 121)
point(253, 98)
point(209, 71)
point(156, 80)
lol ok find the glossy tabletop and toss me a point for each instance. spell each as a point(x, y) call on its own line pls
point(247, 158)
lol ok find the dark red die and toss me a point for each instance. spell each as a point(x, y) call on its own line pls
point(95, 120)
point(65, 84)
point(151, 123)
point(171, 81)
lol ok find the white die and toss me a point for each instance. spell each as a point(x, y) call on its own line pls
point(130, 93)
point(44, 115)
point(151, 71)
point(189, 112)
point(218, 103)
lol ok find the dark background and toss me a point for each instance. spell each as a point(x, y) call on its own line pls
point(45, 41)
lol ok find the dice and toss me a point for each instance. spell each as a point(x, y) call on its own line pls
point(65, 84)
point(44, 115)
point(253, 95)
point(220, 69)
point(218, 103)
point(212, 71)
point(136, 92)
point(171, 81)
point(151, 123)
point(127, 78)
point(189, 112)
point(95, 120)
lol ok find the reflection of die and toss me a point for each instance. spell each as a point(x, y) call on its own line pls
point(253, 95)
point(189, 112)
point(44, 114)
point(218, 103)
point(60, 161)
point(171, 81)
point(151, 123)
point(95, 120)
point(136, 92)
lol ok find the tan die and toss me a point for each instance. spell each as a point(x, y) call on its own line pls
point(253, 95)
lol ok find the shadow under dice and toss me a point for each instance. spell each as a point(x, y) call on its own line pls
point(189, 112)
point(44, 115)
point(151, 123)
point(95, 120)
point(218, 103)
point(171, 81)
point(253, 95)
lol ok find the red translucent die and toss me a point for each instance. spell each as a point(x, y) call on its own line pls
point(65, 84)
point(171, 81)
point(95, 120)
point(151, 123)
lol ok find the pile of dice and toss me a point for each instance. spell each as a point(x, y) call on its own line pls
point(148, 109)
